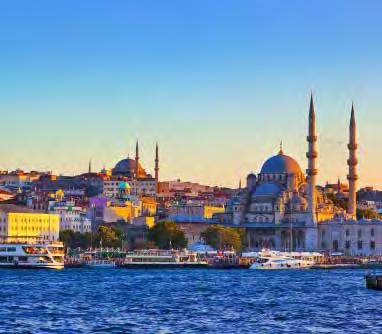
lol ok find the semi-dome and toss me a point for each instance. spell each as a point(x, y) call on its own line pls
point(126, 167)
point(280, 164)
point(297, 199)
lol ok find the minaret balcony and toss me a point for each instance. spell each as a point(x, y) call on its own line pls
point(352, 146)
point(311, 139)
point(352, 177)
point(352, 161)
point(312, 172)
point(312, 155)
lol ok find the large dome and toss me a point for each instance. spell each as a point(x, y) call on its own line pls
point(126, 167)
point(280, 164)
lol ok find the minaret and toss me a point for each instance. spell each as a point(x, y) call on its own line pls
point(90, 167)
point(312, 170)
point(157, 167)
point(137, 160)
point(352, 163)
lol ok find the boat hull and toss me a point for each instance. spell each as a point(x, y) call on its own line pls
point(374, 282)
point(162, 265)
point(31, 266)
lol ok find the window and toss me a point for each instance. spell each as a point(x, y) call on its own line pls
point(372, 244)
point(347, 233)
point(359, 244)
point(359, 233)
point(347, 244)
point(372, 232)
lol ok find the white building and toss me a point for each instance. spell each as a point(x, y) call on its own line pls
point(139, 187)
point(72, 217)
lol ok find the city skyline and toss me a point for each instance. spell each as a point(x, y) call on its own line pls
point(218, 98)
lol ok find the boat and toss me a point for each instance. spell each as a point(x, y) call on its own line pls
point(101, 264)
point(32, 255)
point(373, 281)
point(161, 259)
point(284, 260)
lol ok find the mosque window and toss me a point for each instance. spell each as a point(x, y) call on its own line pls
point(372, 244)
point(359, 244)
point(347, 233)
point(372, 232)
point(347, 244)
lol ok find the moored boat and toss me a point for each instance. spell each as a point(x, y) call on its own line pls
point(32, 255)
point(284, 260)
point(161, 259)
point(101, 264)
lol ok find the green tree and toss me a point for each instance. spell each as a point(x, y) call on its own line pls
point(75, 239)
point(109, 236)
point(166, 235)
point(220, 237)
point(366, 213)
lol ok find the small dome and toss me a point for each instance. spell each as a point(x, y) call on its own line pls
point(280, 164)
point(268, 189)
point(298, 199)
point(124, 185)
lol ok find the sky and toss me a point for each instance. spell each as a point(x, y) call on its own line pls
point(218, 84)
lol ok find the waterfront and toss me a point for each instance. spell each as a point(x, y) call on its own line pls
point(187, 301)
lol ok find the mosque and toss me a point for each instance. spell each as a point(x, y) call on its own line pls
point(282, 207)
point(132, 169)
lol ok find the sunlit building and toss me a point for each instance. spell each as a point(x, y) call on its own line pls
point(20, 224)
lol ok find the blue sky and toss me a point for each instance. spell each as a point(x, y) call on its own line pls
point(217, 83)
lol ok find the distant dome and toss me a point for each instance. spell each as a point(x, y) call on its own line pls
point(268, 189)
point(124, 185)
point(280, 164)
point(126, 167)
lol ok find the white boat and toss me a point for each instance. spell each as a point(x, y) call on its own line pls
point(102, 264)
point(286, 260)
point(32, 255)
point(144, 259)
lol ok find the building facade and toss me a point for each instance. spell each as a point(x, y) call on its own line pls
point(20, 224)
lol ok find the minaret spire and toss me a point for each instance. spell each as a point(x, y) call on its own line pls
point(137, 160)
point(352, 163)
point(157, 167)
point(90, 166)
point(312, 169)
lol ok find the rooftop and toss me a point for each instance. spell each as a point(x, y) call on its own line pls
point(12, 208)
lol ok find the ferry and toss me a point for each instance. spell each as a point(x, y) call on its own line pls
point(101, 264)
point(284, 260)
point(153, 259)
point(32, 255)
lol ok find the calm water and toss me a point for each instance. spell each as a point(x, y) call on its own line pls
point(187, 301)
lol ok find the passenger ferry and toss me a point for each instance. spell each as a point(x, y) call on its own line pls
point(145, 259)
point(285, 260)
point(101, 264)
point(32, 255)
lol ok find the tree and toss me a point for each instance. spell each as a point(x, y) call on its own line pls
point(166, 235)
point(73, 239)
point(220, 237)
point(109, 236)
point(366, 213)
